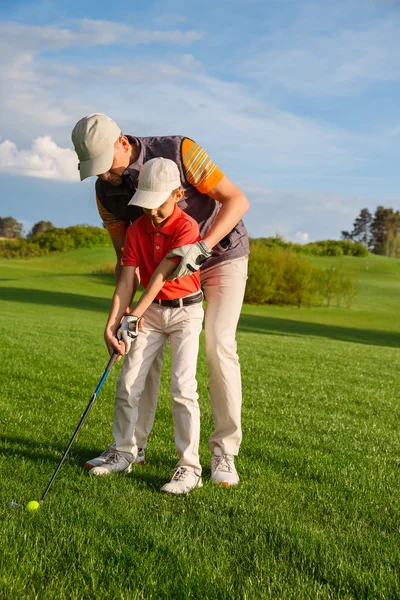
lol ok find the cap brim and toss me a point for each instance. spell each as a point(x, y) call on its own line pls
point(97, 165)
point(147, 199)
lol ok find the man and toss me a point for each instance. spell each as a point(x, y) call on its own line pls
point(218, 206)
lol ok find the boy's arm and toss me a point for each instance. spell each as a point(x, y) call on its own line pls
point(122, 298)
point(159, 277)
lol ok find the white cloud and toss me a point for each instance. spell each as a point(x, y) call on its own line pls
point(45, 160)
point(301, 237)
point(86, 32)
point(93, 32)
point(45, 91)
point(174, 95)
point(339, 61)
point(41, 95)
point(291, 213)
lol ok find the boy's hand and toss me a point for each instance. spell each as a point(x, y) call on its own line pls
point(128, 331)
point(113, 345)
point(192, 257)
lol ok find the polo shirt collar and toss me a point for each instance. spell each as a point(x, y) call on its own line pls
point(169, 226)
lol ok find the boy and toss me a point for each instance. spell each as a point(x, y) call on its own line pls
point(175, 313)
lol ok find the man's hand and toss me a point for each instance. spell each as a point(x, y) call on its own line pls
point(193, 257)
point(128, 331)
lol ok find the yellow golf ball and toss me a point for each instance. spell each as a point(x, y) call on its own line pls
point(32, 505)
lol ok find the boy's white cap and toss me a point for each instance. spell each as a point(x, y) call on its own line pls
point(157, 179)
point(94, 137)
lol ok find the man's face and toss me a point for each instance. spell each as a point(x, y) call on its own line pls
point(160, 215)
point(121, 161)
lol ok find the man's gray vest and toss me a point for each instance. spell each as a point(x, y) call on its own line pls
point(199, 206)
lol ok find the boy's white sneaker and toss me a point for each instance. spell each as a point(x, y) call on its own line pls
point(183, 481)
point(140, 457)
point(99, 460)
point(223, 470)
point(116, 462)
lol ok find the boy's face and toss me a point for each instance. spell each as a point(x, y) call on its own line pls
point(161, 214)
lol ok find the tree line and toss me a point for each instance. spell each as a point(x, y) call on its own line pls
point(10, 228)
point(279, 273)
point(378, 232)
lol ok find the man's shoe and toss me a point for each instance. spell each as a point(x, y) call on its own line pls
point(99, 460)
point(223, 471)
point(116, 462)
point(183, 481)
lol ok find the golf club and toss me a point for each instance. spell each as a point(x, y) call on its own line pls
point(85, 414)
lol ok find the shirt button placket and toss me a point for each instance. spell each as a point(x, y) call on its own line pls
point(157, 248)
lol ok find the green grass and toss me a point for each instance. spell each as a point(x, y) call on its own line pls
point(317, 513)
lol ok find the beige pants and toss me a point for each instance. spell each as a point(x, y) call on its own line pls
point(182, 326)
point(223, 287)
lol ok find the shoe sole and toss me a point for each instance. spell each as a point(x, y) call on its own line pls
point(225, 483)
point(124, 472)
point(199, 484)
point(88, 465)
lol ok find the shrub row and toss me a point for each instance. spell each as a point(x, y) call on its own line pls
point(321, 248)
point(284, 277)
point(55, 240)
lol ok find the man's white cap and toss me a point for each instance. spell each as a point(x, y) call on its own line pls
point(157, 179)
point(94, 137)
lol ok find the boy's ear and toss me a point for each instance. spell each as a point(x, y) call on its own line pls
point(179, 194)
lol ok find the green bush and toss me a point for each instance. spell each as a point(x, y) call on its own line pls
point(336, 284)
point(282, 276)
point(56, 240)
point(320, 248)
point(335, 248)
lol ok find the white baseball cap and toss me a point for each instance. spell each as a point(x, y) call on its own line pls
point(158, 178)
point(94, 137)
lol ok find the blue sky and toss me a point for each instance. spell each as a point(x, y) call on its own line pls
point(297, 101)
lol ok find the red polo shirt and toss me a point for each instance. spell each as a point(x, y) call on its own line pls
point(146, 246)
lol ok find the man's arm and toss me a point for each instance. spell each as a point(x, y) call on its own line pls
point(118, 243)
point(203, 174)
point(117, 229)
point(234, 206)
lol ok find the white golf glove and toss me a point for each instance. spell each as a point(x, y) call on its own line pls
point(193, 257)
point(128, 331)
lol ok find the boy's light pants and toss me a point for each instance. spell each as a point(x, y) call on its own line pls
point(223, 287)
point(182, 326)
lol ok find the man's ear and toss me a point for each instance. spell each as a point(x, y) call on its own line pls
point(125, 142)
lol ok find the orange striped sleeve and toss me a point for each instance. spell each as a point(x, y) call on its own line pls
point(200, 170)
point(115, 227)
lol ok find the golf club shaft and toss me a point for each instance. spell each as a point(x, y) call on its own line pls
point(89, 406)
